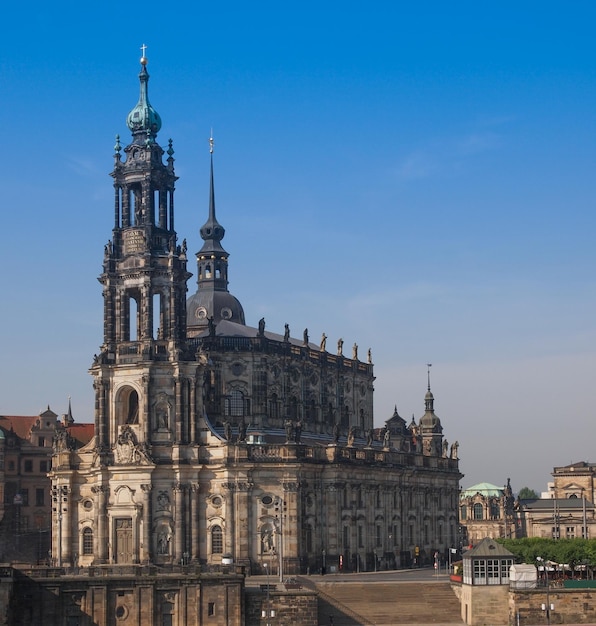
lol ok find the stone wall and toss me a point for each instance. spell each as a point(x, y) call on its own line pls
point(296, 607)
point(484, 605)
point(124, 596)
point(571, 606)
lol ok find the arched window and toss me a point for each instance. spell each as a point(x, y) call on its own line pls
point(463, 512)
point(478, 511)
point(293, 408)
point(235, 404)
point(274, 406)
point(87, 541)
point(216, 540)
point(132, 413)
point(308, 538)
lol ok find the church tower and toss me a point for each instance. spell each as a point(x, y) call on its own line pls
point(130, 494)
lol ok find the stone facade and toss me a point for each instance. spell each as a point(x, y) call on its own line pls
point(217, 441)
point(486, 510)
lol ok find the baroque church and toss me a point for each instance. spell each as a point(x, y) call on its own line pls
point(216, 441)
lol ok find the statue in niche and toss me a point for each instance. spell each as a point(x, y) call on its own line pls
point(162, 412)
point(164, 538)
point(418, 444)
point(267, 545)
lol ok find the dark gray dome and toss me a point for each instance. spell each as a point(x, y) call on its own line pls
point(221, 305)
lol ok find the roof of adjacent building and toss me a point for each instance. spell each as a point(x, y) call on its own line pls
point(549, 504)
point(485, 489)
point(21, 425)
point(488, 548)
point(83, 433)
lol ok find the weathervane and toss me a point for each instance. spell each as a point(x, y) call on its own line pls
point(211, 142)
point(428, 365)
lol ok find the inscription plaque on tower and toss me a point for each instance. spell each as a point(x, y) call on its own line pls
point(134, 241)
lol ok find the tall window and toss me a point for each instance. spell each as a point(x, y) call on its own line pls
point(478, 511)
point(274, 406)
point(87, 541)
point(40, 495)
point(235, 403)
point(346, 538)
point(463, 512)
point(308, 538)
point(216, 540)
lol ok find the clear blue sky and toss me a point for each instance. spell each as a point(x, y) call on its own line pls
point(417, 177)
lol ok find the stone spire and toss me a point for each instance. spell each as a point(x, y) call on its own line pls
point(212, 301)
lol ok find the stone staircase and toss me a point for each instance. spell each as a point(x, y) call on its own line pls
point(387, 604)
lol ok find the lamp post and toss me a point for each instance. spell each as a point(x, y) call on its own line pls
point(548, 607)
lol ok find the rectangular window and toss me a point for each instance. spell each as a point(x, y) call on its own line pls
point(25, 497)
point(570, 532)
point(43, 467)
point(346, 543)
point(41, 442)
point(360, 537)
point(28, 466)
point(40, 497)
point(492, 571)
point(480, 572)
point(379, 540)
point(211, 609)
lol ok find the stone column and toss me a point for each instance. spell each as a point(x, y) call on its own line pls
point(178, 409)
point(145, 407)
point(193, 410)
point(230, 518)
point(146, 554)
point(101, 536)
point(195, 550)
point(179, 489)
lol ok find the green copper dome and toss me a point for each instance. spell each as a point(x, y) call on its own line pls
point(144, 120)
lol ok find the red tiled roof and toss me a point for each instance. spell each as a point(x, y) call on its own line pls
point(20, 424)
point(81, 432)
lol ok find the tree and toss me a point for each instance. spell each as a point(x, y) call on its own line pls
point(525, 493)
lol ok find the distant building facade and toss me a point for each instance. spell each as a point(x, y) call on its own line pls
point(486, 510)
point(25, 461)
